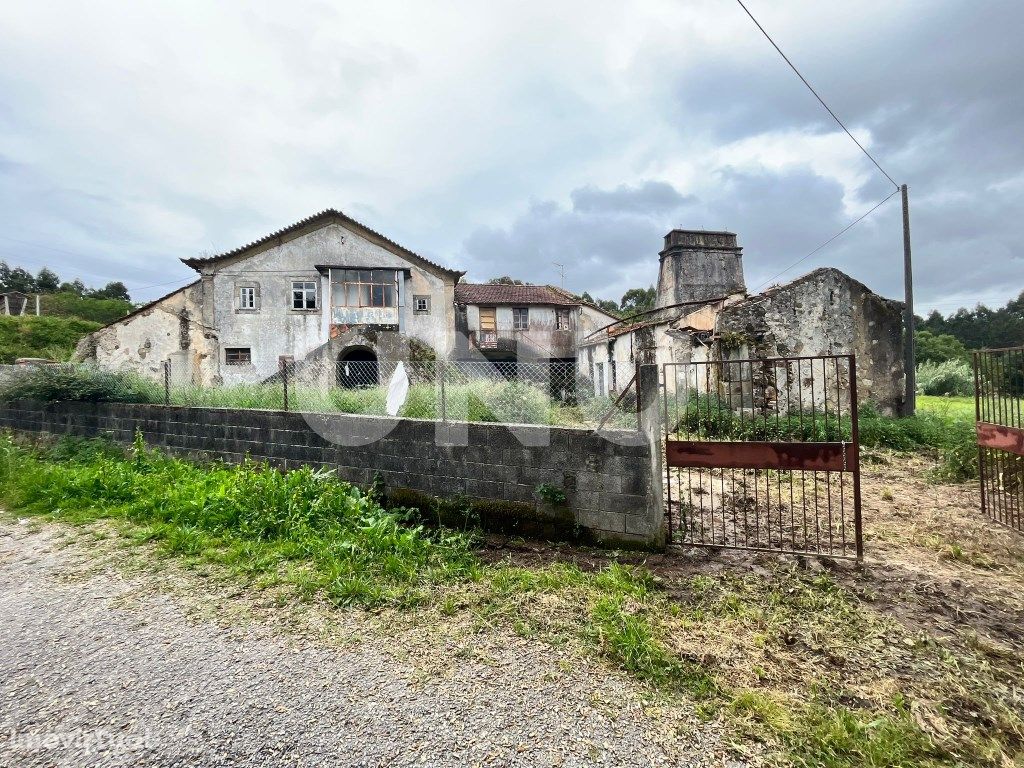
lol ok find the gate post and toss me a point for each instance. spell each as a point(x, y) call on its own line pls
point(651, 418)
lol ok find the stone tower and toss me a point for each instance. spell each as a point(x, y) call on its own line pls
point(698, 266)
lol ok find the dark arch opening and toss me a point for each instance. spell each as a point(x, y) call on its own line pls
point(358, 368)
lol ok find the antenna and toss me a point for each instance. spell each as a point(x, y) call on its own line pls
point(561, 272)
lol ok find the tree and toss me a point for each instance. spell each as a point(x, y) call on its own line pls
point(76, 287)
point(47, 281)
point(638, 300)
point(505, 280)
point(607, 305)
point(19, 279)
point(938, 348)
point(112, 290)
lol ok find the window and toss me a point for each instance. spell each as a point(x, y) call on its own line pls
point(364, 288)
point(421, 304)
point(520, 318)
point(247, 298)
point(303, 294)
point(562, 319)
point(237, 355)
point(487, 319)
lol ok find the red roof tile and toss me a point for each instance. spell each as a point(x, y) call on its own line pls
point(494, 293)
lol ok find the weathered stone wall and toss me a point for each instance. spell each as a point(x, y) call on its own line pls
point(609, 483)
point(823, 313)
point(698, 266)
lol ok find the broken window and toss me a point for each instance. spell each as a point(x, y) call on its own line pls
point(237, 355)
point(303, 294)
point(562, 319)
point(520, 318)
point(364, 288)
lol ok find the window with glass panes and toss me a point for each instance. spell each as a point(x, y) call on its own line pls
point(247, 298)
point(520, 318)
point(303, 294)
point(364, 288)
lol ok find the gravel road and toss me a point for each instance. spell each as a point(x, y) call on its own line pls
point(88, 677)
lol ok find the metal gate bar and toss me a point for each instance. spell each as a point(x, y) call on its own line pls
point(998, 395)
point(762, 454)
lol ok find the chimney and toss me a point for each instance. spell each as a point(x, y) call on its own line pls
point(699, 266)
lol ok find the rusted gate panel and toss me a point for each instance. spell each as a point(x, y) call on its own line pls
point(763, 454)
point(998, 392)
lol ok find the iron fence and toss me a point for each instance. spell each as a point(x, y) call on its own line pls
point(763, 454)
point(998, 396)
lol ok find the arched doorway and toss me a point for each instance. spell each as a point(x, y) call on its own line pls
point(358, 368)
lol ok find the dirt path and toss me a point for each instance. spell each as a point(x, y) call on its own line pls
point(91, 677)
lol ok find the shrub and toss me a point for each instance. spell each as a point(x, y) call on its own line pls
point(78, 383)
point(952, 377)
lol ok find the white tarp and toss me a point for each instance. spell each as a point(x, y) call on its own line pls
point(398, 390)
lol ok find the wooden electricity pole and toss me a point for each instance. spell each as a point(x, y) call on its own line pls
point(909, 364)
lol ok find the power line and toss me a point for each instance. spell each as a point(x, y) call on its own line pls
point(820, 100)
point(838, 234)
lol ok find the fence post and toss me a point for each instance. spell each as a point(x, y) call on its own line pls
point(283, 365)
point(167, 382)
point(649, 401)
point(444, 405)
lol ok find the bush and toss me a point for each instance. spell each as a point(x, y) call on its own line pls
point(952, 377)
point(50, 337)
point(78, 383)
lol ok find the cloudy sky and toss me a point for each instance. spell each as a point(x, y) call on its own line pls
point(503, 137)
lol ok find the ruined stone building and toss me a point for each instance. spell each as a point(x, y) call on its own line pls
point(334, 297)
point(326, 289)
point(703, 312)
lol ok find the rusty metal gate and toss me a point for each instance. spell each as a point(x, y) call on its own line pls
point(763, 454)
point(998, 391)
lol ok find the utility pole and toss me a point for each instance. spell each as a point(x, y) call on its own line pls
point(910, 398)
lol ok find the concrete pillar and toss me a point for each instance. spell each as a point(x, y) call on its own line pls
point(652, 425)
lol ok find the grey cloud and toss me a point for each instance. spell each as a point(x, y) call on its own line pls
point(652, 197)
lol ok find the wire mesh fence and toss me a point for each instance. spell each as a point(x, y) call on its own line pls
point(551, 393)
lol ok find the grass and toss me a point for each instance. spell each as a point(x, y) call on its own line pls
point(947, 407)
point(53, 338)
point(785, 658)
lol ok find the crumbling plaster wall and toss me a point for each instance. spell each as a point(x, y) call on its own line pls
point(277, 329)
point(172, 328)
point(824, 313)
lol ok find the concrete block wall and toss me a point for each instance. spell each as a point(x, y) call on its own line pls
point(608, 483)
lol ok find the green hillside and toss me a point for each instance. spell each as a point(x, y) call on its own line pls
point(68, 304)
point(50, 337)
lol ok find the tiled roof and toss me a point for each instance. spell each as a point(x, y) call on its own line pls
point(325, 216)
point(493, 293)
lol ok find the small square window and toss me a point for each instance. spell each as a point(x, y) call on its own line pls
point(303, 294)
point(562, 319)
point(247, 298)
point(421, 304)
point(237, 355)
point(520, 318)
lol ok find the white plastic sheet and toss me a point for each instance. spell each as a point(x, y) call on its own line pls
point(398, 389)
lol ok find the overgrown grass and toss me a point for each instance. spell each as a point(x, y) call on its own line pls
point(949, 432)
point(53, 338)
point(739, 648)
point(351, 549)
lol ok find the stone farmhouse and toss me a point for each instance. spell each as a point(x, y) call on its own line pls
point(324, 289)
point(330, 291)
